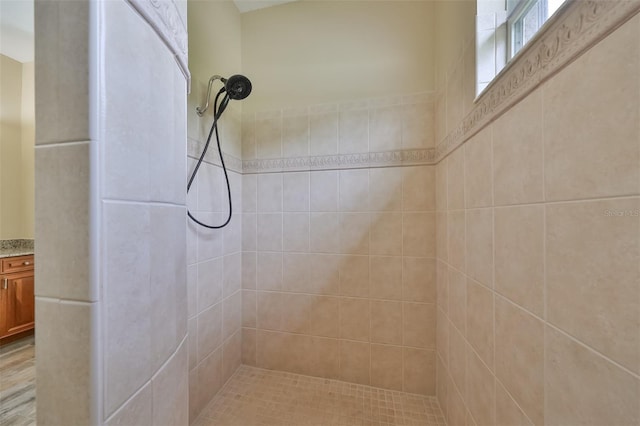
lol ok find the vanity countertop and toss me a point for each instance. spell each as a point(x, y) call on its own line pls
point(10, 248)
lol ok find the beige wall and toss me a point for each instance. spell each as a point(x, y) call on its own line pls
point(214, 257)
point(538, 246)
point(312, 52)
point(16, 149)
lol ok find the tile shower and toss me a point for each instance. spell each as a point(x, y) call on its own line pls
point(400, 252)
point(341, 260)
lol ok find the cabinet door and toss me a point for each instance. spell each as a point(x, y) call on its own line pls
point(20, 302)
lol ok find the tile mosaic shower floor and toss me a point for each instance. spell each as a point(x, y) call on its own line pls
point(255, 397)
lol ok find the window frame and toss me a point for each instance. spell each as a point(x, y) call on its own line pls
point(515, 23)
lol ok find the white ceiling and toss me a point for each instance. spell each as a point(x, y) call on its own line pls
point(16, 29)
point(249, 5)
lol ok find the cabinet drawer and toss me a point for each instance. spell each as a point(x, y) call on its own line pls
point(16, 264)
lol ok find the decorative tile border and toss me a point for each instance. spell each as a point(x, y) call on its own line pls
point(342, 161)
point(164, 18)
point(579, 26)
point(194, 149)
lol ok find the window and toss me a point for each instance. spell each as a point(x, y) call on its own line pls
point(503, 28)
point(524, 19)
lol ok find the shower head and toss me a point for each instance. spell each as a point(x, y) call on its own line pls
point(237, 87)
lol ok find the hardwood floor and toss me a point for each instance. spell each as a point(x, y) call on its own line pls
point(18, 383)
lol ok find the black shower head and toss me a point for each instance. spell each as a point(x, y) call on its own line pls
point(237, 86)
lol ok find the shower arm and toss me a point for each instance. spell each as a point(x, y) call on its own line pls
point(204, 109)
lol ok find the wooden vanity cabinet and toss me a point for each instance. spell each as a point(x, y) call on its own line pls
point(17, 301)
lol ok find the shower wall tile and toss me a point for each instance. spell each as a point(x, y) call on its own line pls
point(457, 296)
point(520, 358)
point(419, 279)
point(386, 277)
point(507, 411)
point(295, 232)
point(62, 221)
point(479, 245)
point(171, 389)
point(232, 265)
point(249, 137)
point(324, 191)
point(270, 232)
point(418, 234)
point(323, 133)
point(128, 270)
point(295, 136)
point(442, 242)
point(418, 367)
point(480, 391)
point(550, 339)
point(70, 354)
point(579, 275)
point(517, 153)
point(519, 255)
point(418, 188)
point(355, 362)
point(296, 192)
point(232, 235)
point(353, 131)
point(457, 358)
point(231, 315)
point(209, 283)
point(354, 276)
point(231, 355)
point(268, 136)
point(269, 271)
point(441, 185)
point(209, 330)
point(249, 193)
point(355, 319)
point(249, 303)
point(386, 366)
point(478, 184)
point(354, 190)
point(456, 239)
point(418, 125)
point(249, 270)
point(385, 189)
point(324, 235)
point(386, 128)
point(455, 180)
point(249, 232)
point(138, 410)
point(339, 267)
point(386, 322)
point(580, 160)
point(248, 346)
point(479, 326)
point(354, 233)
point(386, 234)
point(295, 271)
point(324, 276)
point(576, 380)
point(419, 325)
point(209, 377)
point(270, 193)
point(226, 259)
point(62, 81)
